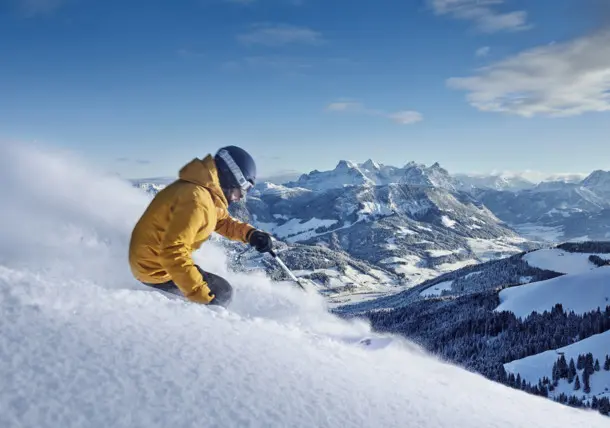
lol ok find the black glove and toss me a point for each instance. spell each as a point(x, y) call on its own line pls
point(260, 240)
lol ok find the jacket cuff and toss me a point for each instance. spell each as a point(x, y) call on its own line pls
point(250, 233)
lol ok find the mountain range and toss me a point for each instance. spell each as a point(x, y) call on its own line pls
point(570, 207)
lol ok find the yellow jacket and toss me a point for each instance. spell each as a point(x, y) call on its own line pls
point(177, 221)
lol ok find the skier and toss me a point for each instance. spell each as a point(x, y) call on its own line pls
point(183, 215)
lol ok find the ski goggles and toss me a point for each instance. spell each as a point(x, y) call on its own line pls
point(244, 184)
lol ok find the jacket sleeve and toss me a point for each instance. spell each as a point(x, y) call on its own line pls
point(187, 217)
point(233, 229)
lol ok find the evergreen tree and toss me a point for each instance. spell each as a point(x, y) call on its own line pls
point(571, 371)
point(586, 384)
point(607, 363)
point(577, 383)
point(581, 362)
point(596, 365)
point(562, 366)
point(604, 406)
point(555, 372)
point(594, 403)
point(589, 363)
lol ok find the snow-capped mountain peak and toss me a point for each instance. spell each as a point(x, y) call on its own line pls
point(370, 165)
point(433, 176)
point(345, 164)
point(598, 181)
point(346, 173)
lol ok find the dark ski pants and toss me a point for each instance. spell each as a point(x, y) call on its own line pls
point(218, 285)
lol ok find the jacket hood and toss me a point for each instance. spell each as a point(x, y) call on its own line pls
point(203, 172)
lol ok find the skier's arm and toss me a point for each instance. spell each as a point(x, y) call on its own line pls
point(187, 217)
point(232, 228)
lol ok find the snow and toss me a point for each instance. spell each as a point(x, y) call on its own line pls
point(83, 344)
point(295, 229)
point(346, 173)
point(477, 220)
point(374, 209)
point(450, 267)
point(580, 293)
point(405, 231)
point(447, 222)
point(538, 232)
point(410, 267)
point(437, 289)
point(440, 253)
point(268, 188)
point(488, 249)
point(537, 366)
point(561, 261)
point(400, 260)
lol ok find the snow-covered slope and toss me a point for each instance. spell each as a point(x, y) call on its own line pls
point(562, 261)
point(486, 315)
point(83, 344)
point(534, 368)
point(584, 287)
point(580, 293)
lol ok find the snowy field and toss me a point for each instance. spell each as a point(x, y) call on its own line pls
point(83, 344)
point(579, 293)
point(583, 288)
point(562, 261)
point(437, 289)
point(540, 233)
point(536, 366)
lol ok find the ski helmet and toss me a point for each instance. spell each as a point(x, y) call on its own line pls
point(236, 169)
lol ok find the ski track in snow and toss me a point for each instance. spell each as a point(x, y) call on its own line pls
point(84, 344)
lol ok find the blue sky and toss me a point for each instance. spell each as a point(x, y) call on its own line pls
point(478, 85)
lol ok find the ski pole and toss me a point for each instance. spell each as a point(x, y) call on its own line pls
point(290, 274)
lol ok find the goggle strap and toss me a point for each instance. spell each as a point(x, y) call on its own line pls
point(243, 183)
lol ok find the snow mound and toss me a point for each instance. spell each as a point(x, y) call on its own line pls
point(83, 344)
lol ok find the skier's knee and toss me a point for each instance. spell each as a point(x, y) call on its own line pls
point(220, 287)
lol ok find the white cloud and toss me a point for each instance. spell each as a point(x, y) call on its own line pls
point(344, 106)
point(404, 117)
point(483, 13)
point(484, 51)
point(563, 79)
point(279, 34)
